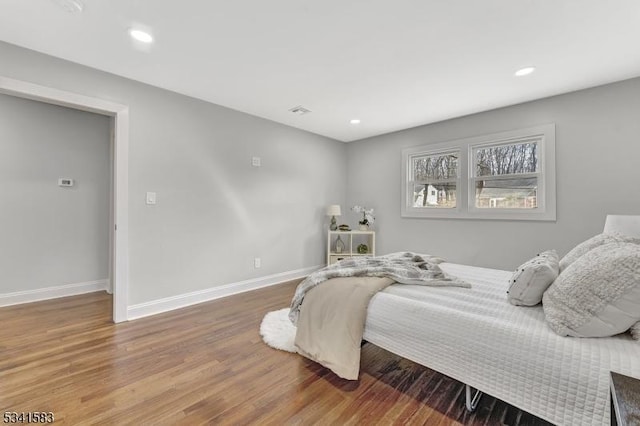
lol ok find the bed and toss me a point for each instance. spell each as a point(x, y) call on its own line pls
point(475, 336)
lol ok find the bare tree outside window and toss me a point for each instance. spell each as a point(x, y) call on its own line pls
point(507, 159)
point(438, 167)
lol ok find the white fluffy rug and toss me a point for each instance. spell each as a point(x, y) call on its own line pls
point(277, 330)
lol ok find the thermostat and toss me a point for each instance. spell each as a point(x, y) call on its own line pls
point(65, 182)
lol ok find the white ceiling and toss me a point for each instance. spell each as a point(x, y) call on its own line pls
point(393, 64)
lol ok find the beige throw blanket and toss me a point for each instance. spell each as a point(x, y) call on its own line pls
point(331, 322)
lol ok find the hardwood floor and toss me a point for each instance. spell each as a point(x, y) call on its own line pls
point(207, 364)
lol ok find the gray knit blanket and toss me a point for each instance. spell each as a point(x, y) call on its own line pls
point(403, 268)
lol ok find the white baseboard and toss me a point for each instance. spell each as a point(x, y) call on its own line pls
point(29, 296)
point(183, 300)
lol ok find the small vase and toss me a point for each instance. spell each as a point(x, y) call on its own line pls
point(363, 227)
point(339, 245)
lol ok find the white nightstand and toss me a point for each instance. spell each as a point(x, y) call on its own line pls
point(352, 240)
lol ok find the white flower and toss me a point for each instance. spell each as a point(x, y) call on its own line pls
point(367, 215)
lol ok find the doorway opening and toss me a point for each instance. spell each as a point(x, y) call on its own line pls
point(119, 222)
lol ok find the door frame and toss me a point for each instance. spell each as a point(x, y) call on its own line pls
point(119, 232)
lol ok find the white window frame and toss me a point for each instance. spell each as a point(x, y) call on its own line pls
point(465, 192)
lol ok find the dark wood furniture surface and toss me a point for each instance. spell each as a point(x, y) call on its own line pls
point(625, 400)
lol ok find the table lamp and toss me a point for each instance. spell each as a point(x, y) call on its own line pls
point(333, 211)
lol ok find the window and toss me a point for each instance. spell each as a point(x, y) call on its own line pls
point(509, 175)
point(434, 180)
point(506, 175)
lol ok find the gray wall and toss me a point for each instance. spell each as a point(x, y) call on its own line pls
point(215, 213)
point(51, 235)
point(597, 154)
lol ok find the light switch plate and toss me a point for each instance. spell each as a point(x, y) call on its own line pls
point(151, 198)
point(256, 161)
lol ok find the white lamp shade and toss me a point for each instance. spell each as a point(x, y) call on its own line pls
point(333, 210)
point(623, 224)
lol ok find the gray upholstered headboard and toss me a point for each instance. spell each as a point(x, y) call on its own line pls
point(623, 224)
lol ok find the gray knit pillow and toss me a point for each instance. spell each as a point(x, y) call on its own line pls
point(532, 278)
point(598, 295)
point(593, 242)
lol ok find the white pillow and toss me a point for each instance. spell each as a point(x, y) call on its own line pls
point(598, 295)
point(532, 278)
point(593, 242)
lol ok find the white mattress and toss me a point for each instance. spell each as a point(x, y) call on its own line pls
point(477, 337)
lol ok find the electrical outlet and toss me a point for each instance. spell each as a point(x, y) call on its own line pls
point(257, 262)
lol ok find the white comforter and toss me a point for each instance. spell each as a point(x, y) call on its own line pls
point(477, 337)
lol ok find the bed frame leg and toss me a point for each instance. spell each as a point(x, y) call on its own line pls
point(472, 401)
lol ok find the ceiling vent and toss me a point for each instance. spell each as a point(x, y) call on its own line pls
point(299, 110)
point(71, 6)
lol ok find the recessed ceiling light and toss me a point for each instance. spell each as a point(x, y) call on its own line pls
point(524, 71)
point(141, 36)
point(355, 121)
